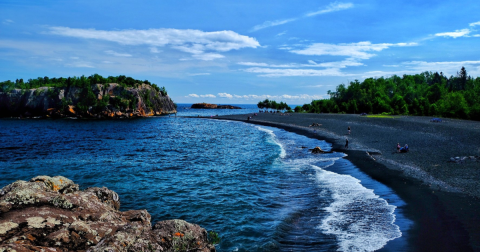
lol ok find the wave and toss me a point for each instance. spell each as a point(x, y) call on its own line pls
point(359, 219)
point(273, 139)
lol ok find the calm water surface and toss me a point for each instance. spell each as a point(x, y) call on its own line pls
point(254, 185)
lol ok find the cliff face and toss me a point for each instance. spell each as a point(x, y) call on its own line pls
point(98, 101)
point(52, 214)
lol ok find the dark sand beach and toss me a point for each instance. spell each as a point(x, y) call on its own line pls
point(442, 197)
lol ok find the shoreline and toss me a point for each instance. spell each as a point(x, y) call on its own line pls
point(445, 217)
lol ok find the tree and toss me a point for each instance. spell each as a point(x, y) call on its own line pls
point(462, 76)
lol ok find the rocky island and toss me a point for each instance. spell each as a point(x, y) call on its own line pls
point(52, 214)
point(92, 97)
point(213, 106)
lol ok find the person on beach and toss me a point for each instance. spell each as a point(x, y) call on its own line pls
point(349, 130)
point(398, 147)
point(346, 143)
point(404, 148)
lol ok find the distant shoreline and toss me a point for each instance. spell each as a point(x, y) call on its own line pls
point(442, 203)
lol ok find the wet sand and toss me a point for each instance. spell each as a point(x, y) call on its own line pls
point(442, 197)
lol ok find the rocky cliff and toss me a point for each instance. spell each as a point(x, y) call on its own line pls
point(52, 214)
point(97, 101)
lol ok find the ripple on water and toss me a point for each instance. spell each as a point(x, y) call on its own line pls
point(253, 185)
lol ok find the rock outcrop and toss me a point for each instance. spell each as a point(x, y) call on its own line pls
point(318, 150)
point(213, 106)
point(98, 101)
point(52, 214)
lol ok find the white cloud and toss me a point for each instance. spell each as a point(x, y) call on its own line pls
point(198, 74)
point(331, 8)
point(334, 64)
point(285, 97)
point(282, 33)
point(208, 56)
point(7, 21)
point(111, 52)
point(354, 50)
point(252, 64)
point(475, 24)
point(275, 72)
point(201, 96)
point(196, 42)
point(80, 65)
point(414, 67)
point(271, 23)
point(279, 97)
point(153, 49)
point(476, 35)
point(455, 34)
point(225, 95)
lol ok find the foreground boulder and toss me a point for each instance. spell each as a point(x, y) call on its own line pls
point(52, 214)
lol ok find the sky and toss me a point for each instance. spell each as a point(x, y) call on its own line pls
point(239, 52)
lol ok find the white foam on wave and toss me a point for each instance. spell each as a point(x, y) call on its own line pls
point(323, 161)
point(359, 219)
point(273, 139)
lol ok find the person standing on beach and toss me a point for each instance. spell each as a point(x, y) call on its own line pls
point(346, 143)
point(349, 130)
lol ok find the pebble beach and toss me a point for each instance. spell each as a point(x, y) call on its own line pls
point(439, 178)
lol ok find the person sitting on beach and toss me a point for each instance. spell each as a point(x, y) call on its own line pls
point(404, 148)
point(398, 147)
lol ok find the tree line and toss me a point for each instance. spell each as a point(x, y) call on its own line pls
point(425, 94)
point(267, 104)
point(81, 82)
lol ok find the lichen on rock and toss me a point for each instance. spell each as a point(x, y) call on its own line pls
point(52, 214)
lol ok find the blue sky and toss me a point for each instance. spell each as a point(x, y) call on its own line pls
point(239, 52)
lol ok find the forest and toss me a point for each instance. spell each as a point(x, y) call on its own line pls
point(82, 82)
point(425, 94)
point(270, 104)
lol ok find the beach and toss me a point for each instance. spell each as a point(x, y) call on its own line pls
point(442, 196)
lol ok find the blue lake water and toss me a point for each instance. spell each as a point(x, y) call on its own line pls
point(253, 185)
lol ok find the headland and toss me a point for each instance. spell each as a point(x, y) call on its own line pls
point(111, 100)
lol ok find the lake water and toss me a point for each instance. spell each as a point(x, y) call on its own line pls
point(253, 185)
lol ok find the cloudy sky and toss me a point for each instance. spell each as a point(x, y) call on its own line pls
point(239, 52)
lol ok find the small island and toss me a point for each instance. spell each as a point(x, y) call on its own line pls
point(213, 106)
